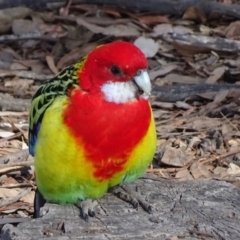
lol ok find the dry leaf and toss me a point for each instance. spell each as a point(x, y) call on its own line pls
point(195, 14)
point(6, 134)
point(211, 60)
point(28, 198)
point(18, 66)
point(182, 30)
point(51, 64)
point(77, 37)
point(112, 12)
point(5, 27)
point(220, 96)
point(162, 29)
point(17, 205)
point(23, 26)
point(75, 55)
point(163, 104)
point(8, 181)
point(163, 70)
point(183, 105)
point(231, 142)
point(233, 169)
point(153, 19)
point(205, 30)
point(195, 141)
point(35, 65)
point(9, 14)
point(220, 171)
point(216, 74)
point(53, 30)
point(177, 78)
point(147, 45)
point(17, 82)
point(202, 122)
point(199, 170)
point(169, 28)
point(9, 192)
point(121, 30)
point(175, 157)
point(158, 113)
point(118, 30)
point(233, 30)
point(183, 175)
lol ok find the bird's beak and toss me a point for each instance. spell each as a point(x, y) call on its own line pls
point(143, 82)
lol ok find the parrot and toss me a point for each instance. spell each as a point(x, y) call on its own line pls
point(91, 127)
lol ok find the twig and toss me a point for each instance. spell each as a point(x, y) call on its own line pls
point(9, 113)
point(26, 36)
point(25, 74)
point(10, 169)
point(14, 157)
point(93, 20)
point(19, 185)
point(16, 135)
point(6, 202)
point(169, 170)
point(182, 91)
point(219, 157)
point(233, 126)
point(30, 182)
point(13, 165)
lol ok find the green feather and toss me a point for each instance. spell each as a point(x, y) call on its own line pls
point(46, 94)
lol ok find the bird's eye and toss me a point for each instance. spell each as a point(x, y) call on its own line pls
point(115, 70)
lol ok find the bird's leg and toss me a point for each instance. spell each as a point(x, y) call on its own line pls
point(39, 202)
point(87, 208)
point(126, 194)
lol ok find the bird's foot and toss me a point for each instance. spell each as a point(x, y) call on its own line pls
point(126, 194)
point(87, 208)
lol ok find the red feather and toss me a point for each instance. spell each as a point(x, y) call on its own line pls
point(108, 131)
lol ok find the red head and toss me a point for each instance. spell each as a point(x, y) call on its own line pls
point(117, 61)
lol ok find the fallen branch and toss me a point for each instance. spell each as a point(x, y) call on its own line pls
point(202, 207)
point(181, 92)
point(163, 7)
point(219, 157)
point(171, 7)
point(201, 43)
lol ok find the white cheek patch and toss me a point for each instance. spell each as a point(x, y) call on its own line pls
point(119, 92)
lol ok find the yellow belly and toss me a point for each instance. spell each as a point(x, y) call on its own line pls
point(62, 171)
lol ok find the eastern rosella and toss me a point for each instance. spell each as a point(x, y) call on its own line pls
point(91, 126)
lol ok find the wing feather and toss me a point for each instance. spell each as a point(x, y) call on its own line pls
point(46, 94)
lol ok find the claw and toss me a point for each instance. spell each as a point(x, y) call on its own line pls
point(131, 197)
point(87, 208)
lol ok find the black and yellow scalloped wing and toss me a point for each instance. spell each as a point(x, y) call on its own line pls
point(44, 97)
